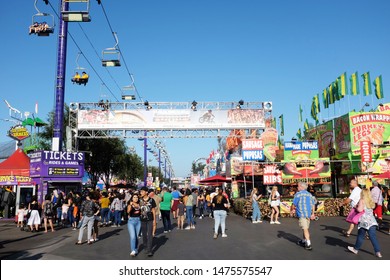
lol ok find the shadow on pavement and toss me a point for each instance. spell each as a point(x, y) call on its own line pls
point(288, 236)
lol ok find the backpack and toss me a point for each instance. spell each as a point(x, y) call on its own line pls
point(49, 209)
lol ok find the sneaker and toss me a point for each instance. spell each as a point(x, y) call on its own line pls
point(254, 222)
point(215, 236)
point(378, 254)
point(187, 228)
point(114, 226)
point(277, 222)
point(272, 222)
point(259, 222)
point(224, 235)
point(193, 227)
point(308, 247)
point(165, 231)
point(353, 250)
point(150, 254)
point(133, 253)
point(301, 243)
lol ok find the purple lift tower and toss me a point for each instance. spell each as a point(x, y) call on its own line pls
point(60, 81)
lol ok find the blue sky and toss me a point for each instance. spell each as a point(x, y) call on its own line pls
point(279, 51)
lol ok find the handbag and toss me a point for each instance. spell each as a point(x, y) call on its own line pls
point(28, 214)
point(354, 216)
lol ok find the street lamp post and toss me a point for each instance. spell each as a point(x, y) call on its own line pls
point(145, 158)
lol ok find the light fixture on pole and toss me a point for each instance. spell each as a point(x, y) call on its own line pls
point(240, 103)
point(365, 105)
point(147, 105)
point(193, 107)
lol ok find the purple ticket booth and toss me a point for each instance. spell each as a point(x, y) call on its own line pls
point(59, 170)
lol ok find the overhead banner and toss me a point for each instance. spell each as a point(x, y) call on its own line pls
point(171, 119)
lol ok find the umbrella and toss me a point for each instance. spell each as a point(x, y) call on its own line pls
point(33, 122)
point(215, 179)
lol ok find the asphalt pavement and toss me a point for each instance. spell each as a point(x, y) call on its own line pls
point(245, 241)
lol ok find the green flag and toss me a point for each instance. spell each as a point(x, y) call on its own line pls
point(335, 91)
point(299, 134)
point(342, 85)
point(273, 123)
point(354, 83)
point(366, 83)
point(378, 87)
point(281, 123)
point(317, 103)
point(325, 98)
point(300, 113)
point(306, 125)
point(330, 94)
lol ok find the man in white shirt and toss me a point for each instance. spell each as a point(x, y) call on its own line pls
point(353, 199)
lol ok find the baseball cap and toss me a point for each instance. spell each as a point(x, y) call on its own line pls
point(144, 189)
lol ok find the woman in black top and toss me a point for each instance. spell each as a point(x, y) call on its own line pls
point(220, 207)
point(134, 223)
point(35, 218)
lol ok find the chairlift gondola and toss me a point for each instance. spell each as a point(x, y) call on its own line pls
point(111, 56)
point(80, 76)
point(75, 11)
point(42, 23)
point(127, 91)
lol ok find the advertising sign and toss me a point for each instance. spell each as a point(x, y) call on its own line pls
point(272, 175)
point(324, 135)
point(365, 151)
point(373, 127)
point(18, 132)
point(310, 171)
point(342, 135)
point(142, 119)
point(296, 150)
point(14, 180)
point(57, 164)
point(252, 149)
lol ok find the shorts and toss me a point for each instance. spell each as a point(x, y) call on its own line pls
point(378, 211)
point(275, 203)
point(304, 223)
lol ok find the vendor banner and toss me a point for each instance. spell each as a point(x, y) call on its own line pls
point(151, 119)
point(272, 175)
point(57, 164)
point(324, 135)
point(239, 166)
point(342, 135)
point(297, 151)
point(373, 127)
point(309, 171)
point(14, 180)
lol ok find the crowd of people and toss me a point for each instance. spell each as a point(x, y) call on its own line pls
point(141, 210)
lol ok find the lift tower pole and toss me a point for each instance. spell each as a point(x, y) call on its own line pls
point(60, 81)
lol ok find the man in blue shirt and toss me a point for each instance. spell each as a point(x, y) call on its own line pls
point(304, 204)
